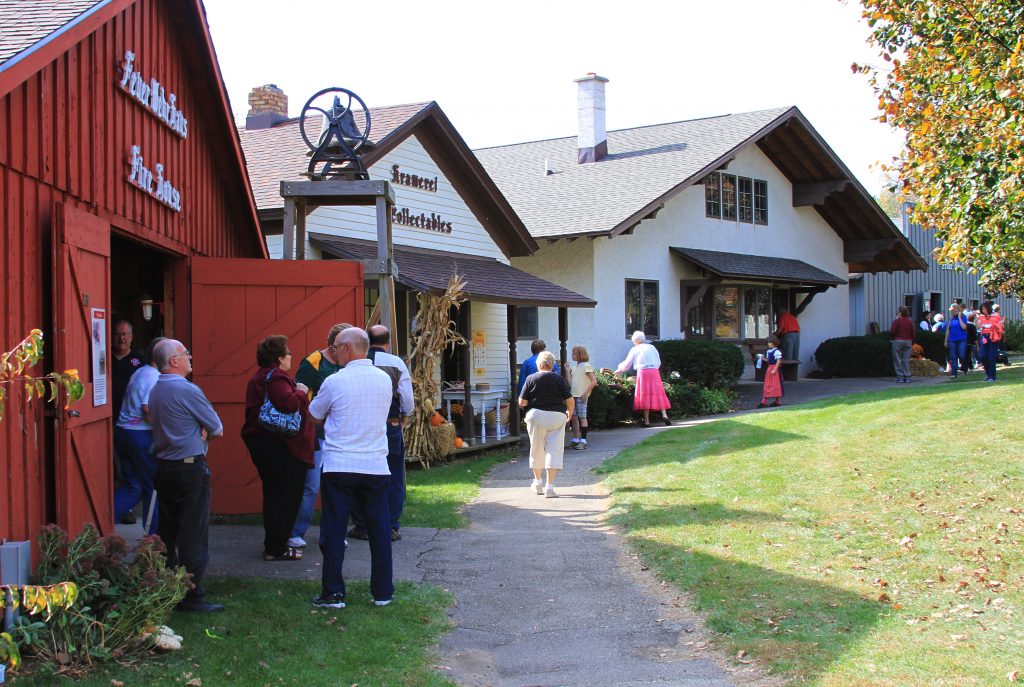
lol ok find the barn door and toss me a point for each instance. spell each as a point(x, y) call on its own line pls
point(81, 326)
point(236, 303)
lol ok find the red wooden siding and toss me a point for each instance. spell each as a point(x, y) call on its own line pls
point(65, 136)
point(235, 304)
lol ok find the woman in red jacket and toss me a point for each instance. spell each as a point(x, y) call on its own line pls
point(990, 333)
point(282, 461)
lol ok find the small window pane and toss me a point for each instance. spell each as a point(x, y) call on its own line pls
point(746, 200)
point(526, 322)
point(729, 196)
point(712, 196)
point(760, 202)
point(697, 316)
point(727, 313)
point(650, 309)
point(370, 295)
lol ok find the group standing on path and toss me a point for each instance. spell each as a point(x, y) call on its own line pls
point(967, 335)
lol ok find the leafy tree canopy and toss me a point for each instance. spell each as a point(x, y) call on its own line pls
point(954, 83)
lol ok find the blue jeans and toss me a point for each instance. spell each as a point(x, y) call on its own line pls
point(396, 491)
point(987, 353)
point(957, 356)
point(309, 494)
point(138, 466)
point(790, 346)
point(341, 492)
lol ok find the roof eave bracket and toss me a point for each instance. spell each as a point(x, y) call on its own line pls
point(815, 193)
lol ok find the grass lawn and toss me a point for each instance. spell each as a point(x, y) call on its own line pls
point(271, 635)
point(873, 539)
point(434, 497)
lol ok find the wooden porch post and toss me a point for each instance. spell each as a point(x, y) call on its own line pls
point(385, 258)
point(300, 231)
point(513, 335)
point(467, 369)
point(563, 335)
point(288, 247)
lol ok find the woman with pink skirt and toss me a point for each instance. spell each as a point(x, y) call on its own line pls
point(650, 393)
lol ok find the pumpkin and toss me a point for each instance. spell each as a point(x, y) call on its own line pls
point(436, 420)
point(458, 442)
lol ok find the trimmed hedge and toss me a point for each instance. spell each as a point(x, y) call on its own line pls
point(611, 401)
point(710, 364)
point(871, 355)
point(1014, 336)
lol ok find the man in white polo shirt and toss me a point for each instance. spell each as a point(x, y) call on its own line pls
point(353, 404)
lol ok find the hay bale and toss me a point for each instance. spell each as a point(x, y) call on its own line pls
point(922, 367)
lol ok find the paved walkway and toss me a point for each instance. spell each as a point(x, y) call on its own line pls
point(546, 593)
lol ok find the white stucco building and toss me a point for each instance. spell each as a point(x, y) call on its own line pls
point(448, 218)
point(702, 228)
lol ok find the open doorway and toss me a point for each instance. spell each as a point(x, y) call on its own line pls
point(137, 279)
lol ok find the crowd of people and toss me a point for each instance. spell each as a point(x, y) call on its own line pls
point(971, 338)
point(333, 429)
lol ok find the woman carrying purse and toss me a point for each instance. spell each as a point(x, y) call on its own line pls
point(280, 438)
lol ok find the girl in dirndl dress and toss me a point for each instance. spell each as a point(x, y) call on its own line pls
point(772, 375)
point(650, 394)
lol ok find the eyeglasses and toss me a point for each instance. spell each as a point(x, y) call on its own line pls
point(184, 353)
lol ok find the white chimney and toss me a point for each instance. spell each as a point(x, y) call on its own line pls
point(593, 139)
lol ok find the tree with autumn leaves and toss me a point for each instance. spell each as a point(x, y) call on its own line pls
point(953, 81)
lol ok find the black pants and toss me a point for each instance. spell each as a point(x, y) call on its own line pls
point(284, 478)
point(396, 489)
point(183, 497)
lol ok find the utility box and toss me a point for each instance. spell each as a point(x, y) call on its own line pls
point(15, 562)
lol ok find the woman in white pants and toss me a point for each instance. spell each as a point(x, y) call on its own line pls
point(550, 405)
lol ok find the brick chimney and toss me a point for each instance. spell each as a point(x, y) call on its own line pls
point(268, 105)
point(592, 142)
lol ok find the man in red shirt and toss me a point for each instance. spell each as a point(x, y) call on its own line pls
point(788, 332)
point(901, 333)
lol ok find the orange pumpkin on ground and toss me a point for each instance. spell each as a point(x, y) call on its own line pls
point(458, 442)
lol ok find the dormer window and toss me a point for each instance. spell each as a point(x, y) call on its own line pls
point(735, 198)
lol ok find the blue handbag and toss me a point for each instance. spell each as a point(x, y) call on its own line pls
point(273, 420)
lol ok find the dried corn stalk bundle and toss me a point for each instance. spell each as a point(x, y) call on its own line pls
point(434, 332)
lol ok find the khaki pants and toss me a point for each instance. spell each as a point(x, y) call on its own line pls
point(547, 437)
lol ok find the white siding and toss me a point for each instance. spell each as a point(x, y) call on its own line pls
point(798, 233)
point(468, 237)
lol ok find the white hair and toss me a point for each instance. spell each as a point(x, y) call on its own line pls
point(638, 337)
point(545, 360)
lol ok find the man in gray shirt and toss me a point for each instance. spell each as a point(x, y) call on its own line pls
point(183, 422)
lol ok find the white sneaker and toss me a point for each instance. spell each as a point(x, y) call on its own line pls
point(537, 486)
point(382, 602)
point(296, 542)
point(549, 492)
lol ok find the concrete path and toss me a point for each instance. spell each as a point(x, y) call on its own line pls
point(546, 593)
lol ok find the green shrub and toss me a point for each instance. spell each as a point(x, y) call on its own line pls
point(871, 355)
point(933, 343)
point(122, 593)
point(690, 400)
point(611, 401)
point(856, 356)
point(1014, 336)
point(710, 364)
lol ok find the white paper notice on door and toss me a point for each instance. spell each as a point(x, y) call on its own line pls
point(99, 356)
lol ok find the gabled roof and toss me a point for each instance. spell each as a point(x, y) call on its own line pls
point(49, 28)
point(647, 166)
point(278, 154)
point(487, 280)
point(27, 22)
point(739, 266)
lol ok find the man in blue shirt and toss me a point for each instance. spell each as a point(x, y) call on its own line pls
point(529, 365)
point(183, 421)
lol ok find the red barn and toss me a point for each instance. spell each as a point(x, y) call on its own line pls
point(121, 181)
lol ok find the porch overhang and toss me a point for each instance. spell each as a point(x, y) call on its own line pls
point(725, 265)
point(487, 280)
